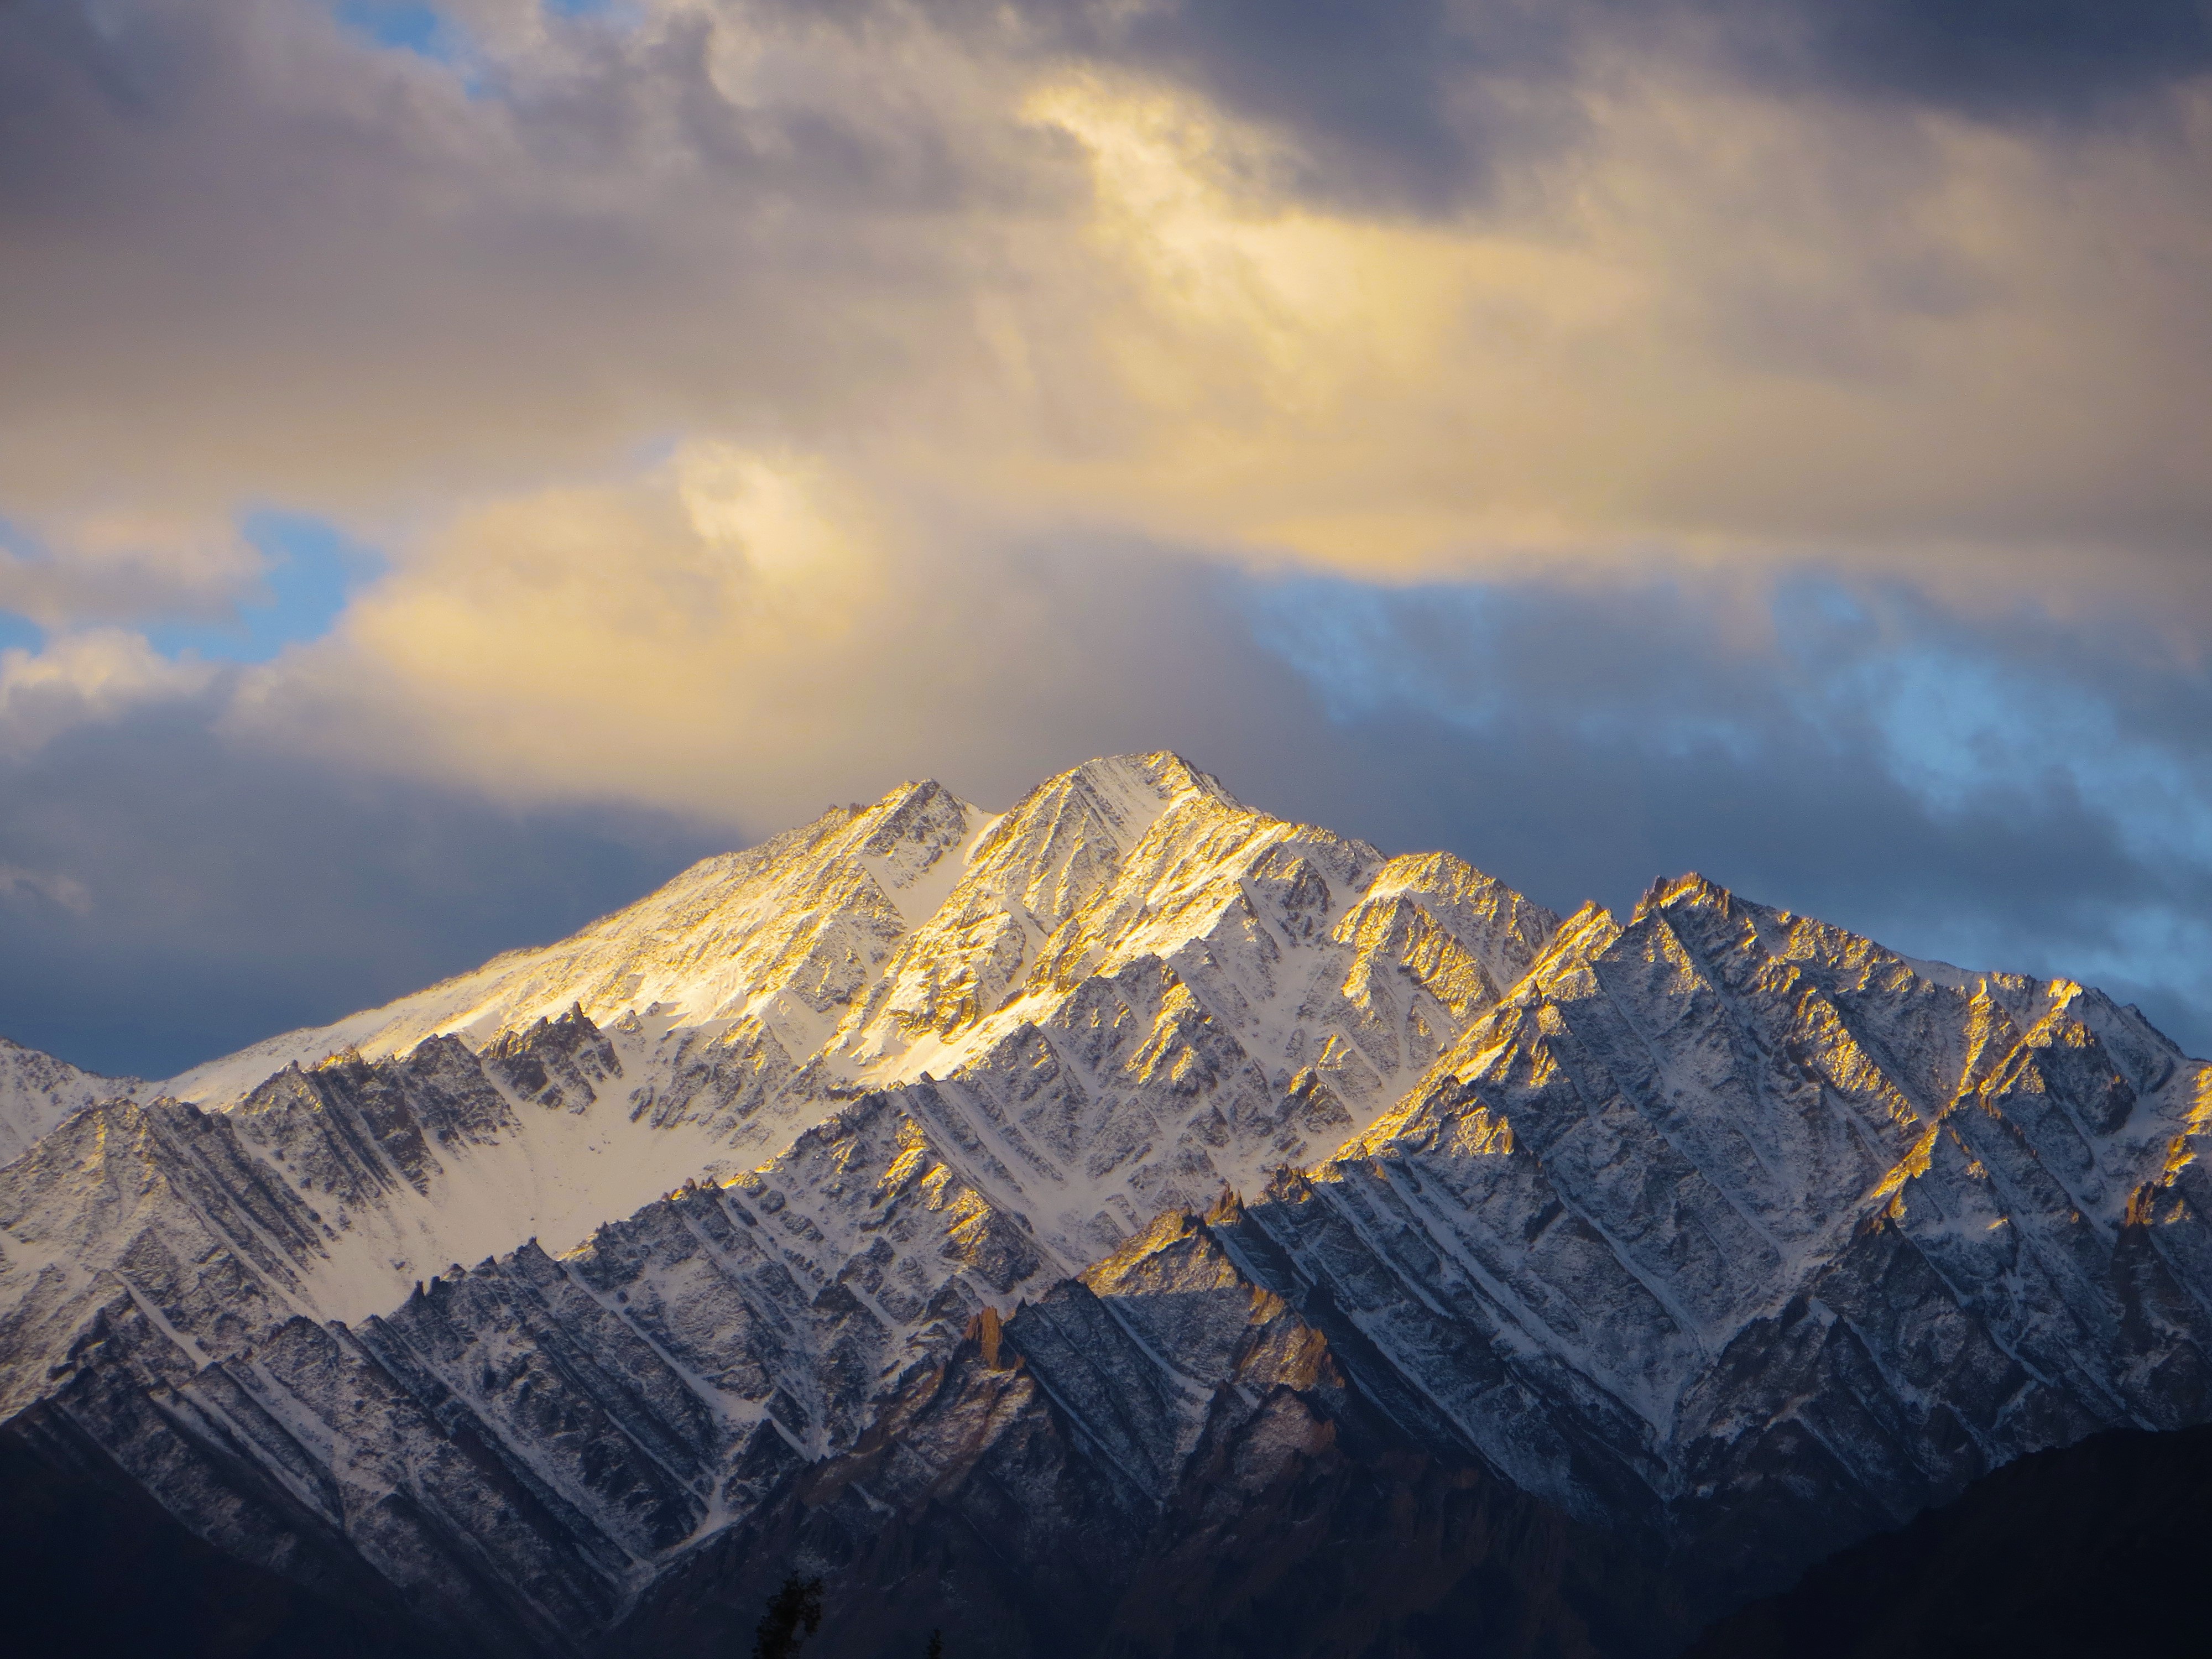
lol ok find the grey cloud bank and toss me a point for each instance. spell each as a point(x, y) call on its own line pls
point(2015, 793)
point(1687, 275)
point(1415, 104)
point(171, 895)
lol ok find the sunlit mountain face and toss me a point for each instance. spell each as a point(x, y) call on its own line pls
point(466, 466)
point(1120, 1215)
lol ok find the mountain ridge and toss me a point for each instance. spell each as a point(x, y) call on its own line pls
point(1702, 1245)
point(37, 1090)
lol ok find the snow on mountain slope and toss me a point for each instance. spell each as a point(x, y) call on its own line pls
point(1721, 1227)
point(1135, 991)
point(517, 1444)
point(1241, 994)
point(38, 1091)
point(1143, 990)
point(1728, 1200)
point(782, 932)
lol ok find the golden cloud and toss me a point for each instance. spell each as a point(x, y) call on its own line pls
point(1036, 294)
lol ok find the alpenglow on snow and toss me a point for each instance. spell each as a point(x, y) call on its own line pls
point(1089, 1221)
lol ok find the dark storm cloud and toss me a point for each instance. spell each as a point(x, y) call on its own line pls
point(250, 258)
point(2011, 795)
point(1407, 103)
point(1413, 104)
point(166, 896)
point(2003, 59)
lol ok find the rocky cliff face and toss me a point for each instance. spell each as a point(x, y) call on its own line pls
point(1587, 1279)
point(37, 1091)
point(1737, 1224)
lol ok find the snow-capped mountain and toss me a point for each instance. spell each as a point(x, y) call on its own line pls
point(1138, 1185)
point(1145, 989)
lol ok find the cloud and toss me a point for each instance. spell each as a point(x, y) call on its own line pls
point(2062, 59)
point(2026, 792)
point(169, 894)
point(17, 882)
point(1421, 106)
point(1603, 441)
point(1406, 106)
point(744, 636)
point(1726, 323)
point(2018, 792)
point(1031, 261)
point(86, 678)
point(117, 565)
point(256, 254)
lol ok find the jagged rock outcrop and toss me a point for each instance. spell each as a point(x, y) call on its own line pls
point(1738, 1225)
point(1588, 1277)
point(309, 1197)
point(1162, 1457)
point(517, 1444)
point(1143, 989)
point(37, 1091)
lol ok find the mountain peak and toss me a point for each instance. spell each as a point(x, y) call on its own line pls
point(1727, 1230)
point(1136, 988)
point(1690, 889)
point(1162, 772)
point(1125, 794)
point(37, 1090)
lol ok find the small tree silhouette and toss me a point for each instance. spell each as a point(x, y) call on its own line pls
point(937, 1644)
point(794, 1613)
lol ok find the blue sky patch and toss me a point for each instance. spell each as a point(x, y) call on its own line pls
point(313, 567)
point(404, 26)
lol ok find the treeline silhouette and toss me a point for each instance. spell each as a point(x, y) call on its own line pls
point(794, 1613)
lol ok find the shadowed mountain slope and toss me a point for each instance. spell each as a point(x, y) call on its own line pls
point(2084, 1549)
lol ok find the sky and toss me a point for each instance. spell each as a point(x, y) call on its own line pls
point(460, 462)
